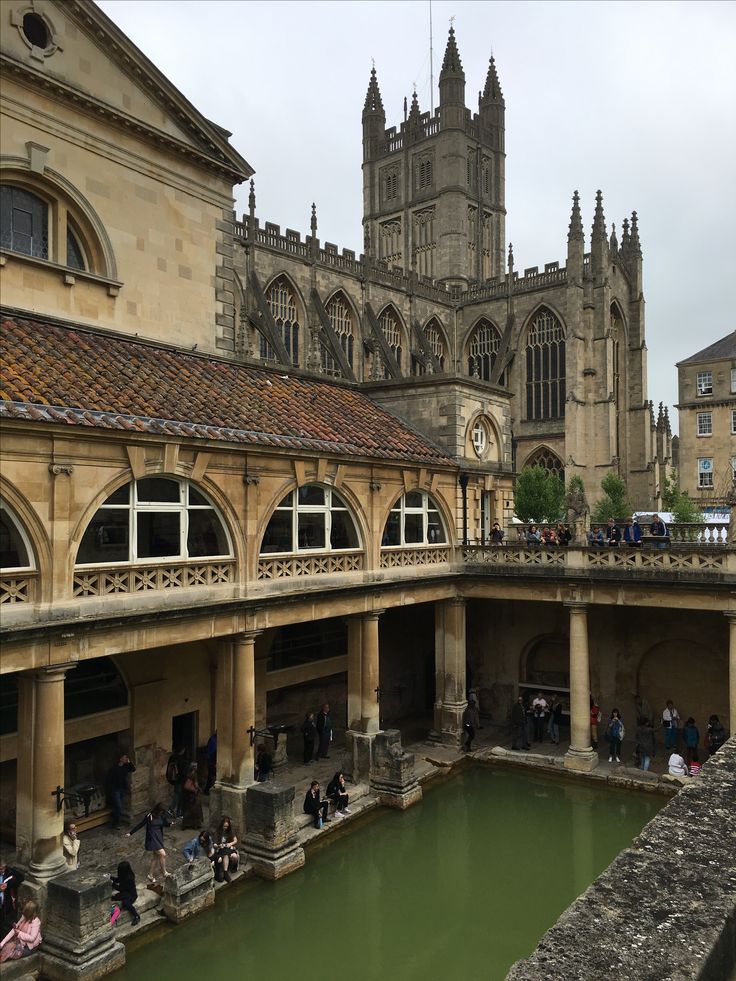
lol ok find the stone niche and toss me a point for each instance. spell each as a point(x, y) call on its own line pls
point(78, 939)
point(393, 776)
point(189, 890)
point(271, 842)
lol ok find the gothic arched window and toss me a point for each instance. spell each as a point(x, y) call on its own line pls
point(341, 318)
point(311, 519)
point(545, 367)
point(433, 333)
point(483, 348)
point(414, 520)
point(548, 460)
point(391, 330)
point(282, 304)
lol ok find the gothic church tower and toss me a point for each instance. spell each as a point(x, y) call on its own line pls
point(433, 189)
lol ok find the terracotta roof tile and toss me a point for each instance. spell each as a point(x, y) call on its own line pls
point(54, 373)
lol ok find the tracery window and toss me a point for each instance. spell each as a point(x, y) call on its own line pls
point(24, 222)
point(341, 318)
point(548, 460)
point(311, 519)
point(282, 304)
point(545, 367)
point(15, 548)
point(154, 518)
point(433, 333)
point(483, 349)
point(390, 185)
point(414, 520)
point(390, 240)
point(424, 173)
point(391, 330)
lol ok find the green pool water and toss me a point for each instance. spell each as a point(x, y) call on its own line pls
point(459, 887)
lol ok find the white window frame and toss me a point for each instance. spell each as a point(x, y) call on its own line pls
point(705, 423)
point(479, 438)
point(705, 472)
point(704, 383)
point(427, 506)
point(733, 381)
point(326, 509)
point(13, 518)
point(733, 422)
point(733, 468)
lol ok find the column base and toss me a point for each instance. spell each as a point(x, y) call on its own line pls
point(582, 760)
point(359, 754)
point(448, 724)
point(393, 777)
point(271, 844)
point(189, 890)
point(225, 799)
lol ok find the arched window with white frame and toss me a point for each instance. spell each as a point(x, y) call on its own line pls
point(16, 551)
point(312, 518)
point(414, 520)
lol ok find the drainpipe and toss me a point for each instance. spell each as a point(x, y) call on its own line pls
point(463, 481)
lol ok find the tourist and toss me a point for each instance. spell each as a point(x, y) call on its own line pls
point(643, 709)
point(24, 936)
point(176, 774)
point(309, 735)
point(324, 731)
point(670, 723)
point(716, 735)
point(519, 725)
point(547, 536)
point(645, 743)
point(200, 843)
point(155, 822)
point(595, 536)
point(126, 891)
point(632, 533)
point(496, 534)
point(10, 880)
point(564, 535)
point(70, 845)
point(612, 534)
point(555, 718)
point(691, 739)
point(227, 857)
point(191, 802)
point(532, 536)
point(316, 806)
point(468, 734)
point(539, 710)
point(474, 704)
point(658, 530)
point(595, 718)
point(264, 764)
point(338, 794)
point(117, 786)
point(615, 732)
point(211, 752)
point(677, 767)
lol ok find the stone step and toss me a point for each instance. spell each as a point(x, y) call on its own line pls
point(356, 792)
point(361, 801)
point(25, 969)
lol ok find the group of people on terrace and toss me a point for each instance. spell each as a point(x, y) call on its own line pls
point(613, 535)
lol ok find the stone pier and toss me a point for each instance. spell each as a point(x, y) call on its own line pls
point(393, 776)
point(271, 843)
point(189, 890)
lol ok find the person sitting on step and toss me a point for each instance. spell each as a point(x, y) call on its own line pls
point(315, 805)
point(338, 794)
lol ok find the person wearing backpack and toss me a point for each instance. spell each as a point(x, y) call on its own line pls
point(176, 774)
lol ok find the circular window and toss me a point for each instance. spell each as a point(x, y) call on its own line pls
point(36, 31)
point(480, 438)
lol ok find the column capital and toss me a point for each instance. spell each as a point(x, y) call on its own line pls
point(574, 604)
point(370, 614)
point(51, 672)
point(245, 636)
point(730, 615)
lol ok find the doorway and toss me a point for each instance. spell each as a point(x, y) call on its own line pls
point(184, 733)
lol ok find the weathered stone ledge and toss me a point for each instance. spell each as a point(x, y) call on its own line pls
point(665, 909)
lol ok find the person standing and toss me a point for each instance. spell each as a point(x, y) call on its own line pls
point(496, 534)
point(309, 735)
point(615, 735)
point(468, 734)
point(612, 534)
point(474, 705)
point(555, 718)
point(155, 822)
point(670, 724)
point(10, 880)
point(176, 774)
point(126, 891)
point(595, 718)
point(264, 764)
point(191, 803)
point(539, 710)
point(315, 806)
point(632, 533)
point(324, 730)
point(658, 530)
point(715, 735)
point(211, 763)
point(519, 725)
point(645, 743)
point(691, 738)
point(117, 786)
point(70, 846)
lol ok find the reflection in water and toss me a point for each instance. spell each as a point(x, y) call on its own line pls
point(463, 884)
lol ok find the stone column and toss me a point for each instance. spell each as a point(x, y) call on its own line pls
point(261, 698)
point(450, 655)
point(224, 713)
point(731, 615)
point(355, 681)
point(244, 708)
point(363, 680)
point(369, 672)
point(580, 755)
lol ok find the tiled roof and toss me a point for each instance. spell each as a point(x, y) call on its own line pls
point(74, 376)
point(725, 348)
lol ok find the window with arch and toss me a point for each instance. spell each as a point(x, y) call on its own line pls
point(545, 367)
point(480, 437)
point(433, 333)
point(313, 518)
point(340, 316)
point(424, 173)
point(391, 185)
point(25, 222)
point(391, 329)
point(16, 553)
point(154, 518)
point(483, 348)
point(414, 520)
point(282, 304)
point(548, 460)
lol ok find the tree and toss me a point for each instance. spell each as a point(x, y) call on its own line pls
point(615, 501)
point(679, 503)
point(539, 495)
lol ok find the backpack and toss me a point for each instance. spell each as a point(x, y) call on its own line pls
point(172, 772)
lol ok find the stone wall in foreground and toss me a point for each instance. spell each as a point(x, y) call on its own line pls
point(665, 909)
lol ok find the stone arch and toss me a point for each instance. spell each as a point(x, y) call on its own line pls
point(403, 345)
point(29, 522)
point(545, 660)
point(544, 348)
point(439, 343)
point(481, 348)
point(301, 321)
point(353, 350)
point(491, 455)
point(434, 500)
point(694, 675)
point(544, 456)
point(351, 500)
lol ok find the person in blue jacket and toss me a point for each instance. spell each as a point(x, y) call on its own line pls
point(632, 533)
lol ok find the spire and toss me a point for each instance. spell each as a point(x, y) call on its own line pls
point(667, 427)
point(613, 241)
point(492, 91)
point(373, 100)
point(576, 234)
point(625, 239)
point(414, 112)
point(511, 259)
point(599, 220)
point(635, 245)
point(313, 222)
point(451, 64)
point(660, 419)
point(252, 200)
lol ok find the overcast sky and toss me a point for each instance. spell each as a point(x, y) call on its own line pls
point(638, 99)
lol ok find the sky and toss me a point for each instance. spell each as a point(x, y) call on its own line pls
point(635, 98)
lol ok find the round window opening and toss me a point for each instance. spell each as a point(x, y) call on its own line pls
point(480, 438)
point(36, 31)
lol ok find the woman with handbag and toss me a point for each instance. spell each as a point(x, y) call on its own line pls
point(615, 735)
point(24, 936)
point(155, 822)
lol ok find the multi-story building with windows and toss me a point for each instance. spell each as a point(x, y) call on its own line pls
point(707, 408)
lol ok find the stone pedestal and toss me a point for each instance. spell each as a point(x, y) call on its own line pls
point(358, 754)
point(225, 799)
point(271, 843)
point(78, 940)
point(393, 777)
point(278, 752)
point(189, 890)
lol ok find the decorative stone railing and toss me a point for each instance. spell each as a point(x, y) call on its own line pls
point(699, 532)
point(395, 558)
point(290, 566)
point(139, 579)
point(20, 588)
point(656, 559)
point(512, 555)
point(678, 559)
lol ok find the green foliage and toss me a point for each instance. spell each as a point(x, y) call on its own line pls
point(539, 495)
point(615, 501)
point(684, 509)
point(671, 492)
